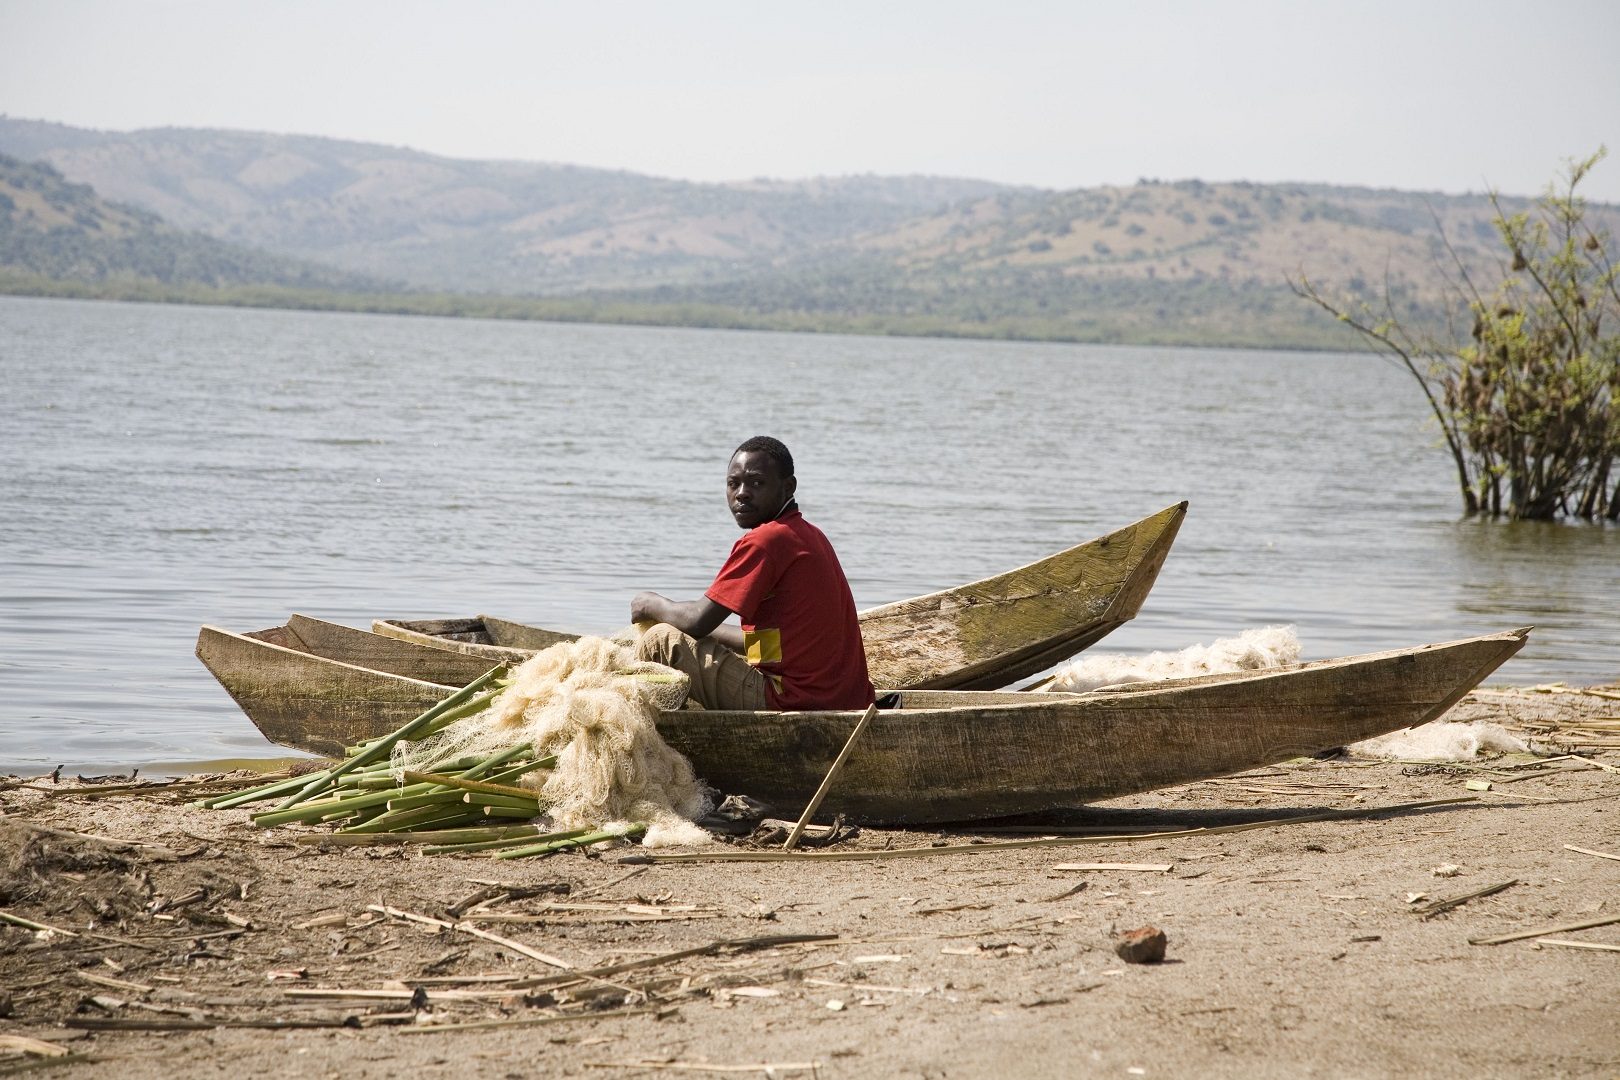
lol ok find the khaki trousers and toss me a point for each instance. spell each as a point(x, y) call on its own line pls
point(720, 678)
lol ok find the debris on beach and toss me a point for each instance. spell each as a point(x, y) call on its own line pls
point(1441, 740)
point(1144, 945)
point(254, 937)
point(1439, 907)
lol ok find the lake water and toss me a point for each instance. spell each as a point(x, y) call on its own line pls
point(165, 467)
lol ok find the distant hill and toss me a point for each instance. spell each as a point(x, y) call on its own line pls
point(66, 232)
point(1183, 262)
point(469, 226)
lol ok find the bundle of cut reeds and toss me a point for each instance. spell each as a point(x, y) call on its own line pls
point(467, 805)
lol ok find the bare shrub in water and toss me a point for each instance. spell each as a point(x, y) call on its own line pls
point(1530, 405)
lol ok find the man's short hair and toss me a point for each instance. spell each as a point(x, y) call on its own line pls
point(771, 448)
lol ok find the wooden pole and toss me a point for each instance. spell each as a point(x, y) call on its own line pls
point(826, 782)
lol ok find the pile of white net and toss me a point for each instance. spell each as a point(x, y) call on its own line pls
point(595, 706)
point(1440, 740)
point(1278, 646)
point(1252, 650)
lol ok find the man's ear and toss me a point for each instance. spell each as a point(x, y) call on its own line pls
point(792, 485)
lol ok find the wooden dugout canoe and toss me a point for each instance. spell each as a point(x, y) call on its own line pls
point(940, 756)
point(319, 686)
point(973, 637)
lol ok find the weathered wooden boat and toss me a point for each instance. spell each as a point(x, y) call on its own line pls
point(320, 686)
point(973, 637)
point(938, 756)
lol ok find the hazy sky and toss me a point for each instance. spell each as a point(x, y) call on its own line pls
point(1451, 95)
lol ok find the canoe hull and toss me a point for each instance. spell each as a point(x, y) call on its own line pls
point(942, 756)
point(930, 764)
point(320, 687)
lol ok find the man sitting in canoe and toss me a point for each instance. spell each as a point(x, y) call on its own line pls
point(800, 635)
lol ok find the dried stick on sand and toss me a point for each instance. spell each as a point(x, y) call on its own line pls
point(1601, 946)
point(1428, 911)
point(1589, 851)
point(507, 943)
point(1543, 931)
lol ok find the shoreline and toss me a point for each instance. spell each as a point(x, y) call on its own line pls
point(606, 311)
point(202, 943)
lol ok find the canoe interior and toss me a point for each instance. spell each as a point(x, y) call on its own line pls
point(516, 635)
point(989, 633)
point(465, 631)
point(496, 640)
point(335, 641)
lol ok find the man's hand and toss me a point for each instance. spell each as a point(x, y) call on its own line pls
point(695, 618)
point(645, 607)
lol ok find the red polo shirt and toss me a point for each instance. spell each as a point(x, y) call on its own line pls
point(798, 617)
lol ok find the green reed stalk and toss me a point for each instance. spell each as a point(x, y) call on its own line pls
point(405, 819)
point(526, 801)
point(450, 716)
point(373, 802)
point(380, 748)
point(495, 761)
point(433, 797)
point(442, 818)
point(520, 813)
point(483, 786)
point(452, 836)
point(311, 811)
point(503, 841)
point(586, 840)
point(519, 770)
point(266, 791)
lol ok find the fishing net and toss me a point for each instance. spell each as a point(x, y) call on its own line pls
point(595, 706)
point(1440, 740)
point(1252, 650)
point(1273, 647)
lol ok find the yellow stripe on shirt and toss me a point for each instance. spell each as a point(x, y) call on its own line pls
point(763, 646)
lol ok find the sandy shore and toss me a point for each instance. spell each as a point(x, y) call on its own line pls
point(202, 946)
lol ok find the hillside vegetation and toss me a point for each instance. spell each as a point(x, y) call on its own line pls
point(56, 230)
point(1185, 262)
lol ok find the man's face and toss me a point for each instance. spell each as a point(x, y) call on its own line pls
point(755, 492)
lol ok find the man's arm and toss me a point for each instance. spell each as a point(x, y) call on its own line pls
point(698, 618)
